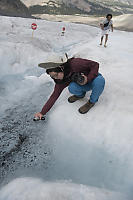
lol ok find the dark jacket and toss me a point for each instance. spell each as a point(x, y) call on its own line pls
point(88, 67)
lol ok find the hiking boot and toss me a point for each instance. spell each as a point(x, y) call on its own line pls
point(74, 98)
point(86, 107)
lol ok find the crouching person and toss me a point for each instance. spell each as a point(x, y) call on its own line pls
point(79, 75)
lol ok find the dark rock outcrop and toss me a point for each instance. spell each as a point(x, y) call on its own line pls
point(13, 8)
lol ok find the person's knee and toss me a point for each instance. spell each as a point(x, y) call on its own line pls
point(73, 87)
point(99, 82)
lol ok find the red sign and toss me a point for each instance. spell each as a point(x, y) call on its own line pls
point(63, 29)
point(34, 26)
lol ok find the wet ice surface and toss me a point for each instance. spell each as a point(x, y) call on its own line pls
point(68, 156)
point(23, 141)
point(55, 190)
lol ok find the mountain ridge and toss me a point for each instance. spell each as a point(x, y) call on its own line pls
point(91, 7)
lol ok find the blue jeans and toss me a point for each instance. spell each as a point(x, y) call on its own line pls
point(97, 87)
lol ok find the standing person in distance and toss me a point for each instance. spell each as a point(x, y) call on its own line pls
point(106, 26)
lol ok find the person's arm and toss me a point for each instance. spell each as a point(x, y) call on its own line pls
point(56, 93)
point(102, 26)
point(112, 27)
point(93, 67)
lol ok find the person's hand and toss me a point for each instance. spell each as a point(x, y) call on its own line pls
point(38, 115)
point(102, 26)
point(85, 80)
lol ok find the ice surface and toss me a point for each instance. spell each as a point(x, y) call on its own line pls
point(29, 188)
point(68, 155)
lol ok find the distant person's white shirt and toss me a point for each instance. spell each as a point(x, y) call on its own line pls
point(107, 24)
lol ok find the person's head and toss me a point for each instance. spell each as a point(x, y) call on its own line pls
point(56, 73)
point(56, 66)
point(109, 17)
